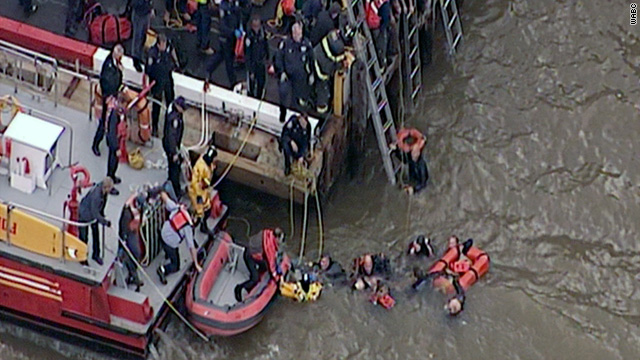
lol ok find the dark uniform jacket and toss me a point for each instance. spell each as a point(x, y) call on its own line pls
point(92, 206)
point(112, 130)
point(323, 25)
point(230, 19)
point(294, 131)
point(110, 77)
point(173, 131)
point(329, 54)
point(256, 49)
point(160, 64)
point(142, 7)
point(294, 58)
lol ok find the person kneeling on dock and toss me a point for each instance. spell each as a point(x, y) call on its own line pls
point(421, 246)
point(408, 149)
point(200, 186)
point(295, 140)
point(176, 228)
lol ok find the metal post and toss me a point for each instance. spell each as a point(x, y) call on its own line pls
point(64, 242)
point(9, 208)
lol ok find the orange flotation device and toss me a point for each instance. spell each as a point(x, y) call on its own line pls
point(469, 270)
point(144, 116)
point(406, 133)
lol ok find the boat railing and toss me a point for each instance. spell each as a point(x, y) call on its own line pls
point(63, 223)
point(45, 74)
point(153, 217)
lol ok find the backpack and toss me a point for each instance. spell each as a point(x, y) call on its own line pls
point(371, 14)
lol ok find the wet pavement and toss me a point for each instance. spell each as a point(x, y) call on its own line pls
point(533, 153)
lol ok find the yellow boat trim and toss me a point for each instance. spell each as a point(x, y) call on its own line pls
point(29, 276)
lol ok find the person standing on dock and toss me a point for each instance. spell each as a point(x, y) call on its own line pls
point(110, 85)
point(256, 50)
point(91, 210)
point(140, 18)
point(161, 61)
point(172, 140)
point(293, 66)
point(327, 20)
point(203, 25)
point(329, 56)
point(116, 115)
point(128, 231)
point(230, 29)
point(177, 228)
point(295, 140)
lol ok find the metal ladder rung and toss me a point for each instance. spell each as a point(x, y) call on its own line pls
point(416, 91)
point(413, 53)
point(455, 42)
point(414, 72)
point(412, 31)
point(452, 20)
point(382, 104)
point(446, 3)
point(387, 125)
point(376, 83)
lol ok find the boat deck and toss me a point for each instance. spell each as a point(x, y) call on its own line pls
point(51, 201)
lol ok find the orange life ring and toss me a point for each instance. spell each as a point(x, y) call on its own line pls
point(85, 182)
point(406, 133)
point(451, 260)
point(144, 115)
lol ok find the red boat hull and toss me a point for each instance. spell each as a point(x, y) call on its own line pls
point(225, 321)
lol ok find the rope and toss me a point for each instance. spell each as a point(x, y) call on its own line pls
point(245, 221)
point(246, 137)
point(408, 222)
point(164, 299)
point(320, 231)
point(291, 208)
point(304, 225)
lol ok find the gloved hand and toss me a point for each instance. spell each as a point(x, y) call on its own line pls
point(311, 79)
point(283, 77)
point(238, 33)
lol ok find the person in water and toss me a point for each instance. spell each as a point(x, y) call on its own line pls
point(368, 269)
point(454, 241)
point(455, 304)
point(410, 153)
point(420, 247)
point(329, 270)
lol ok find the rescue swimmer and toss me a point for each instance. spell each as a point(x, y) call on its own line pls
point(200, 186)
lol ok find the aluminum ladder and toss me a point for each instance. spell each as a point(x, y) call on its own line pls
point(412, 61)
point(378, 101)
point(451, 23)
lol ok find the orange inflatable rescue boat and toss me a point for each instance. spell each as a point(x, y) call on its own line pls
point(469, 268)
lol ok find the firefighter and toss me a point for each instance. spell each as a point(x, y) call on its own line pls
point(295, 140)
point(200, 186)
point(230, 20)
point(110, 84)
point(178, 227)
point(293, 66)
point(161, 61)
point(91, 210)
point(329, 54)
point(327, 21)
point(171, 141)
point(256, 51)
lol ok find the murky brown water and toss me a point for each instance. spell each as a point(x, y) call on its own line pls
point(532, 150)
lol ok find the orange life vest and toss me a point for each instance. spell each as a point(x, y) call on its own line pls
point(179, 220)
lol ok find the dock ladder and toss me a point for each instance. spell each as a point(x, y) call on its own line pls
point(412, 61)
point(378, 101)
point(451, 23)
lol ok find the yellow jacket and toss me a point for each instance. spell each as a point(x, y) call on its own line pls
point(200, 186)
